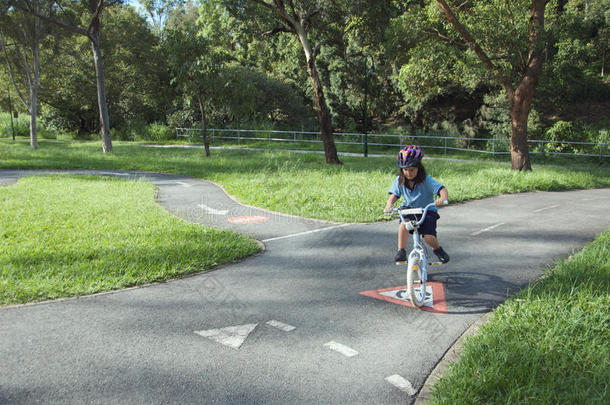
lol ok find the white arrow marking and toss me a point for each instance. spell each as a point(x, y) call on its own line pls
point(281, 326)
point(183, 184)
point(401, 383)
point(344, 350)
point(232, 336)
point(212, 211)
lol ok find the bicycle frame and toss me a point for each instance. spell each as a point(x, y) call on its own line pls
point(419, 250)
point(418, 257)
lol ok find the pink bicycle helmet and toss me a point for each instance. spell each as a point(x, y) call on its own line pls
point(410, 156)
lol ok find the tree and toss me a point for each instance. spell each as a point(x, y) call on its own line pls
point(526, 62)
point(195, 66)
point(159, 11)
point(297, 18)
point(26, 33)
point(92, 32)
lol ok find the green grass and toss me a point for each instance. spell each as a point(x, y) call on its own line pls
point(302, 184)
point(548, 345)
point(64, 236)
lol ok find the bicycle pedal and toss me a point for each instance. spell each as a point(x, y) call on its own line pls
point(399, 263)
point(436, 263)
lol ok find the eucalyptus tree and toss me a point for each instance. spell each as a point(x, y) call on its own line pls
point(20, 37)
point(298, 18)
point(477, 45)
point(196, 67)
point(159, 11)
point(135, 69)
point(91, 31)
point(518, 58)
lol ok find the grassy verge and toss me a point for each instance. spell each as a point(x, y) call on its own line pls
point(64, 236)
point(302, 184)
point(548, 345)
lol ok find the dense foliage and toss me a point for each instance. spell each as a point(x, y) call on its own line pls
point(162, 56)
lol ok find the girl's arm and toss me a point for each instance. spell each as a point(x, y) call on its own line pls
point(390, 203)
point(443, 196)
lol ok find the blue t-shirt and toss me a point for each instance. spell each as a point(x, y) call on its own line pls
point(421, 195)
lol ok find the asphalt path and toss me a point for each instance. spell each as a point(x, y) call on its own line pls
point(288, 325)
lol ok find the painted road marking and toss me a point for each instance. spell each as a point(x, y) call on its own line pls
point(489, 228)
point(232, 336)
point(280, 325)
point(115, 174)
point(403, 295)
point(398, 295)
point(344, 350)
point(183, 184)
point(252, 219)
point(306, 232)
point(547, 208)
point(401, 383)
point(212, 211)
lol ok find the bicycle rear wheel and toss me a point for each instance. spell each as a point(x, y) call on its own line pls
point(414, 273)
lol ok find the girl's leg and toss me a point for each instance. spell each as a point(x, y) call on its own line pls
point(431, 241)
point(403, 236)
point(438, 250)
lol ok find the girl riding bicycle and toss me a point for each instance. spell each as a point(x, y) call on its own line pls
point(417, 190)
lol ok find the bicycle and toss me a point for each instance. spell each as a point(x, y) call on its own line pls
point(418, 259)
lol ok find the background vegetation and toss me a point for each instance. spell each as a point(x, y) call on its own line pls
point(159, 54)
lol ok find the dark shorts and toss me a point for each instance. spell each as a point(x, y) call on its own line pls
point(429, 225)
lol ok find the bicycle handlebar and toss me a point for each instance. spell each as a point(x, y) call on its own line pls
point(415, 211)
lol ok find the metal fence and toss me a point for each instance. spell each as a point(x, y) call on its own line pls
point(493, 146)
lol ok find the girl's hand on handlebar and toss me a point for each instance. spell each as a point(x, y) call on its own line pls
point(440, 202)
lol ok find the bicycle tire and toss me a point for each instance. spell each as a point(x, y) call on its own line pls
point(414, 272)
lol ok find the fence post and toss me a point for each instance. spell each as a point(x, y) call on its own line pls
point(445, 145)
point(543, 150)
point(493, 146)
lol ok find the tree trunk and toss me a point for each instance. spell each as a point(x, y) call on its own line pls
point(204, 126)
point(101, 91)
point(330, 150)
point(519, 151)
point(34, 87)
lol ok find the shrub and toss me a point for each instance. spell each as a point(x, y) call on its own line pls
point(159, 132)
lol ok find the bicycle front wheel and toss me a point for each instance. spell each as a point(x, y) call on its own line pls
point(414, 275)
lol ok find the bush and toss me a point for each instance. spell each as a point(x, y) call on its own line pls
point(140, 131)
point(159, 132)
point(21, 126)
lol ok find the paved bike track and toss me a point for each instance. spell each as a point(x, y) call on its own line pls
point(139, 345)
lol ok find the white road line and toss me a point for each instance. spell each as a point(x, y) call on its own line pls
point(547, 208)
point(306, 232)
point(344, 350)
point(115, 174)
point(489, 228)
point(401, 383)
point(183, 184)
point(280, 325)
point(212, 211)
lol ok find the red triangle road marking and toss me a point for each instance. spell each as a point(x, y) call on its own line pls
point(398, 295)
